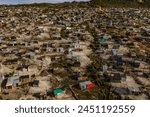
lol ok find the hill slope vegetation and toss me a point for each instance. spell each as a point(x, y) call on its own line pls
point(122, 3)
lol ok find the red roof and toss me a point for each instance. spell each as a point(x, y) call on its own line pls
point(90, 85)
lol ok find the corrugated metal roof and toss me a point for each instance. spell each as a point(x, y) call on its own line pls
point(12, 80)
point(58, 91)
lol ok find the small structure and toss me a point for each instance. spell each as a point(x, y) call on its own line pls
point(120, 62)
point(2, 38)
point(74, 57)
point(135, 63)
point(16, 81)
point(59, 92)
point(12, 82)
point(76, 75)
point(104, 68)
point(76, 45)
point(49, 49)
point(121, 91)
point(34, 83)
point(22, 67)
point(132, 54)
point(103, 40)
point(76, 64)
point(86, 85)
point(30, 55)
point(134, 90)
point(114, 51)
point(68, 51)
point(117, 77)
point(116, 46)
point(60, 49)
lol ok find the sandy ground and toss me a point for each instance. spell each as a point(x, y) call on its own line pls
point(138, 97)
point(83, 55)
point(143, 65)
point(5, 70)
point(131, 82)
point(44, 35)
point(27, 97)
point(46, 61)
point(123, 50)
point(144, 81)
point(43, 86)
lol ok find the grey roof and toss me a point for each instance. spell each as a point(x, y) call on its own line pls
point(85, 83)
point(1, 38)
point(12, 80)
point(135, 89)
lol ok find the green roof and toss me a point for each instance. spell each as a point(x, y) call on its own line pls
point(57, 91)
point(74, 56)
point(103, 40)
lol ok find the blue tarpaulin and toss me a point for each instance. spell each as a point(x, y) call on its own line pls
point(121, 61)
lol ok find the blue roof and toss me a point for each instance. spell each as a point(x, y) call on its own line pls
point(121, 61)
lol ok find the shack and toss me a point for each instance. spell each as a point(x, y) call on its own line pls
point(86, 85)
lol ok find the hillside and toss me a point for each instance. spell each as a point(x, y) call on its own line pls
point(103, 3)
point(122, 3)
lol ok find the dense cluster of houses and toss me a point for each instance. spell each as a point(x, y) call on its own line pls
point(44, 48)
point(123, 51)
